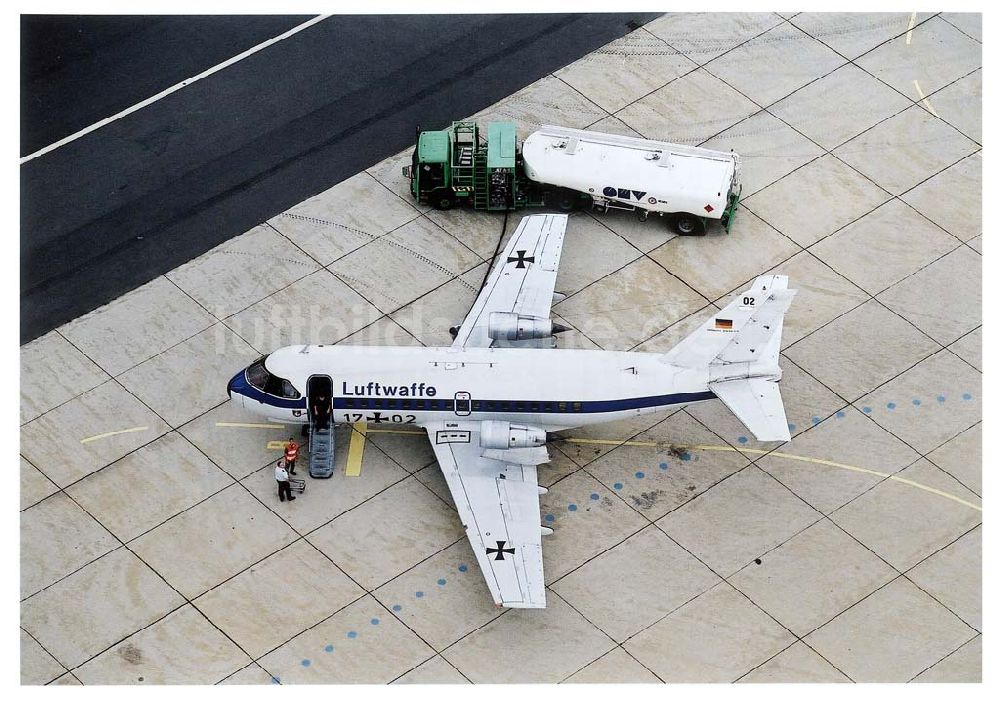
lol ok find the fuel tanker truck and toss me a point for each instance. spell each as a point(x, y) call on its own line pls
point(571, 169)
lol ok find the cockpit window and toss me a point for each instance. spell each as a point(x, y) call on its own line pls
point(262, 379)
point(257, 375)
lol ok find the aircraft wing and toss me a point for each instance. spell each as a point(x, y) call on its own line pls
point(497, 500)
point(522, 282)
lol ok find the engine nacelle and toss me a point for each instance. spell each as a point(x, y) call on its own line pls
point(501, 435)
point(512, 327)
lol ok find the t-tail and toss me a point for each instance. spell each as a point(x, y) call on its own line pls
point(739, 347)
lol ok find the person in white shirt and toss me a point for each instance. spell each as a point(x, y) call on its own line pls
point(281, 477)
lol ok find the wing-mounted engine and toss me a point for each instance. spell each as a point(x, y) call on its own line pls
point(502, 435)
point(512, 443)
point(510, 326)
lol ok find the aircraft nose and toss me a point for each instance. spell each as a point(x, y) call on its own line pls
point(229, 386)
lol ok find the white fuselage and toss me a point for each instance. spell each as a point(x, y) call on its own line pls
point(548, 388)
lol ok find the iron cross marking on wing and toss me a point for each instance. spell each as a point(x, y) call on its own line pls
point(377, 418)
point(500, 550)
point(520, 259)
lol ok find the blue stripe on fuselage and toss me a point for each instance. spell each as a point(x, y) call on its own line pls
point(239, 384)
point(480, 405)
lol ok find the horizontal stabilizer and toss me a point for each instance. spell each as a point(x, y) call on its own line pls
point(757, 403)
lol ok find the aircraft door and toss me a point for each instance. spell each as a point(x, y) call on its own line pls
point(463, 403)
point(320, 400)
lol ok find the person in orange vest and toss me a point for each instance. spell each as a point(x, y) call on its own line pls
point(291, 455)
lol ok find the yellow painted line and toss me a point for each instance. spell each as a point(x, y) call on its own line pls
point(276, 445)
point(361, 431)
point(787, 456)
point(932, 490)
point(909, 29)
point(272, 426)
point(923, 99)
point(92, 438)
point(356, 451)
point(598, 441)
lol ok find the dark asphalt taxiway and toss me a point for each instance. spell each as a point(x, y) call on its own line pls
point(121, 205)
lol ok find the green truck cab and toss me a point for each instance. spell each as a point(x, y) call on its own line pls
point(456, 166)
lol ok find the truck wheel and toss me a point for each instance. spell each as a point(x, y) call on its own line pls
point(687, 224)
point(443, 200)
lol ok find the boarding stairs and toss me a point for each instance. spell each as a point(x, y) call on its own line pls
point(320, 451)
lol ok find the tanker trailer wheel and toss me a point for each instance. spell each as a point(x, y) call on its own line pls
point(687, 224)
point(442, 199)
point(566, 200)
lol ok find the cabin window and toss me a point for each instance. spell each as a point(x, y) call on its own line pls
point(577, 407)
point(562, 407)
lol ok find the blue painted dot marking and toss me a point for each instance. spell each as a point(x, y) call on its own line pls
point(375, 620)
point(941, 399)
point(550, 518)
point(462, 568)
point(328, 648)
point(890, 405)
point(916, 401)
point(816, 420)
point(306, 662)
point(640, 475)
point(442, 581)
point(352, 634)
point(742, 440)
point(571, 507)
point(419, 593)
point(791, 427)
point(866, 410)
point(618, 485)
point(840, 414)
point(664, 465)
point(685, 456)
point(595, 496)
point(966, 396)
point(397, 608)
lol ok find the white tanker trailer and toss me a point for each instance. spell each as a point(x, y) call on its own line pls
point(568, 169)
point(687, 184)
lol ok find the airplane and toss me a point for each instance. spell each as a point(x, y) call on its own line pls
point(491, 400)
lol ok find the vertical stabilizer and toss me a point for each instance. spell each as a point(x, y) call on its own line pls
point(739, 348)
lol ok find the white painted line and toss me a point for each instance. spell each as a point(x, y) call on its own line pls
point(909, 29)
point(923, 99)
point(92, 438)
point(177, 87)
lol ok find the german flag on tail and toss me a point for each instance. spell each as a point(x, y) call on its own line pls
point(723, 324)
